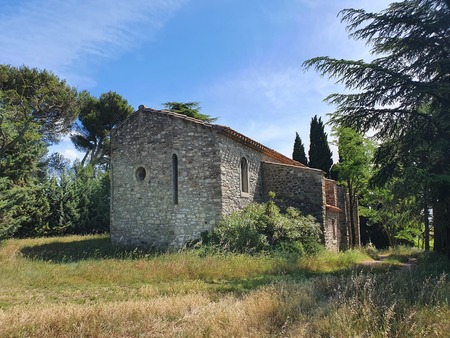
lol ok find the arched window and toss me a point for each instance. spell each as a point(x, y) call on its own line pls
point(244, 175)
point(175, 178)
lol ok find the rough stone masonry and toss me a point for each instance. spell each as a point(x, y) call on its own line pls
point(174, 176)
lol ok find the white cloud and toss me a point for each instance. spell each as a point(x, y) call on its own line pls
point(66, 148)
point(72, 154)
point(270, 105)
point(271, 101)
point(57, 34)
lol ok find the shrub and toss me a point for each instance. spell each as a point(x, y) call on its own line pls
point(259, 227)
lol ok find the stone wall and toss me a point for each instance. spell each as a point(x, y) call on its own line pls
point(143, 212)
point(152, 206)
point(331, 229)
point(300, 187)
point(330, 189)
point(231, 153)
point(331, 232)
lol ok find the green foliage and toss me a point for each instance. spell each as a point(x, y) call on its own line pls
point(402, 95)
point(331, 294)
point(33, 99)
point(21, 187)
point(36, 108)
point(399, 216)
point(75, 201)
point(64, 206)
point(259, 227)
point(41, 196)
point(299, 154)
point(191, 109)
point(355, 158)
point(20, 207)
point(97, 118)
point(92, 186)
point(320, 155)
point(354, 169)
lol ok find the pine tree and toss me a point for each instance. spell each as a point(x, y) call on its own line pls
point(299, 154)
point(98, 117)
point(22, 197)
point(191, 109)
point(320, 155)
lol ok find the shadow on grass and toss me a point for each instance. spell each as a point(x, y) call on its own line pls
point(87, 249)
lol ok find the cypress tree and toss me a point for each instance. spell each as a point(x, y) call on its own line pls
point(320, 155)
point(299, 154)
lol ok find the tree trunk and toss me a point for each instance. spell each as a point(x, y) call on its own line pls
point(426, 220)
point(352, 214)
point(441, 213)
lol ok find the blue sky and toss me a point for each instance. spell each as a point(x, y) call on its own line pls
point(241, 59)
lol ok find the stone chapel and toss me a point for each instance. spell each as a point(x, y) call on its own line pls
point(173, 177)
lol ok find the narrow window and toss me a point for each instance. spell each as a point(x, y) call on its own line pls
point(175, 178)
point(244, 175)
point(333, 227)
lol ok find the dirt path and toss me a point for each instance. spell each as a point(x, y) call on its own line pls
point(411, 264)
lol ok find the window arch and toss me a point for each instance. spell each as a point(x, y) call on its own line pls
point(244, 175)
point(175, 178)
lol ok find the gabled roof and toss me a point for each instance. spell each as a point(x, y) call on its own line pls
point(230, 133)
point(234, 135)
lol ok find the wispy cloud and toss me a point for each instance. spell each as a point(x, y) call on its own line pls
point(57, 34)
point(270, 104)
point(278, 98)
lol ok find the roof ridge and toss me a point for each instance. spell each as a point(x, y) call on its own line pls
point(230, 133)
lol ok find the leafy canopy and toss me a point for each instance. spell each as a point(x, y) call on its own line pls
point(97, 118)
point(32, 98)
point(413, 39)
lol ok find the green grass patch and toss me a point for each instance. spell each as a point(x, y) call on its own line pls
point(84, 286)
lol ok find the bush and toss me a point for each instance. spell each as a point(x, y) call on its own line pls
point(259, 227)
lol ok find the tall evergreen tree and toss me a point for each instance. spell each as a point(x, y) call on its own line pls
point(299, 154)
point(22, 201)
point(320, 155)
point(412, 41)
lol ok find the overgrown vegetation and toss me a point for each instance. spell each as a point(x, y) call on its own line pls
point(83, 286)
point(402, 96)
point(263, 227)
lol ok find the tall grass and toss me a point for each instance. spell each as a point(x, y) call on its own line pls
point(84, 287)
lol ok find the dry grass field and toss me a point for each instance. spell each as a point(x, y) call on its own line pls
point(83, 287)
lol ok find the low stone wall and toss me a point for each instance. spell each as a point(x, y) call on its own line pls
point(300, 187)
